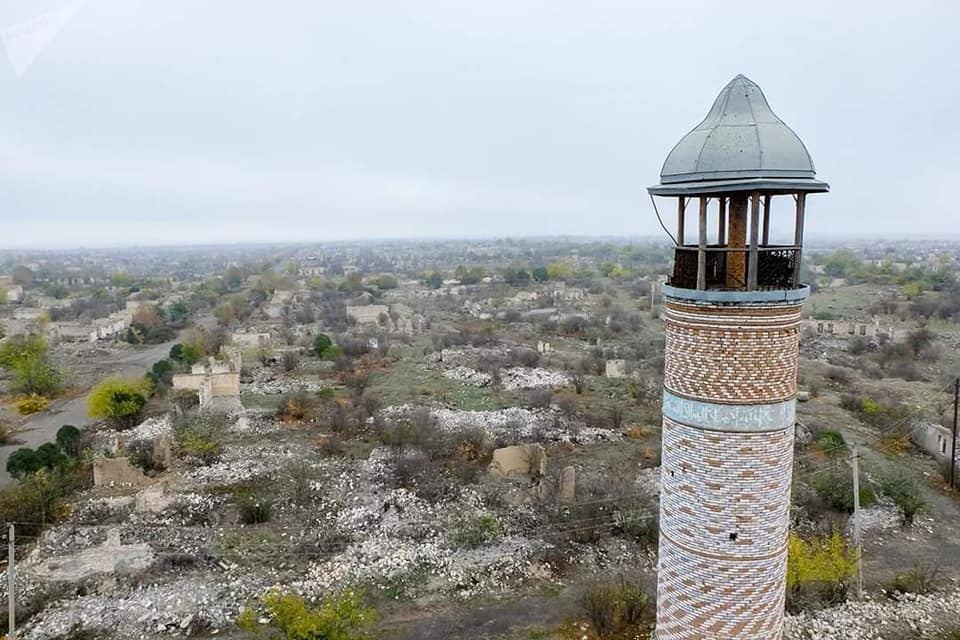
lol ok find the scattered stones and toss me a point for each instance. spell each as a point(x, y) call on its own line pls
point(909, 615)
point(535, 378)
point(110, 558)
point(468, 376)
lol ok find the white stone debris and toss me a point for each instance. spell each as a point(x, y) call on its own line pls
point(532, 378)
point(909, 614)
point(513, 424)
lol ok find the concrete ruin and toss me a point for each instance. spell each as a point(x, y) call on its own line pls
point(251, 340)
point(112, 557)
point(117, 471)
point(217, 383)
point(368, 314)
point(871, 329)
point(519, 460)
point(568, 485)
point(615, 369)
point(934, 440)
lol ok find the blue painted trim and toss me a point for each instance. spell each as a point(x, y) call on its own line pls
point(786, 295)
point(741, 418)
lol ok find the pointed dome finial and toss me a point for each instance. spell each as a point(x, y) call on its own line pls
point(741, 138)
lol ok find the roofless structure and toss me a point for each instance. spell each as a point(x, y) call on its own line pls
point(732, 321)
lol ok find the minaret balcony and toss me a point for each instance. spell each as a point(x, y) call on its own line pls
point(728, 268)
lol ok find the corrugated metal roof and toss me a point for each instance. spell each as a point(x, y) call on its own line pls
point(741, 138)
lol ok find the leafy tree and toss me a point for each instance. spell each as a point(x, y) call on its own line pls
point(26, 461)
point(233, 278)
point(177, 313)
point(27, 358)
point(185, 353)
point(118, 400)
point(23, 462)
point(225, 314)
point(386, 282)
point(322, 344)
point(69, 439)
point(433, 280)
point(540, 274)
point(22, 275)
point(161, 373)
point(469, 275)
point(560, 270)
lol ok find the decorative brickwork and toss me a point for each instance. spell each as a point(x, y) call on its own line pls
point(732, 353)
point(730, 385)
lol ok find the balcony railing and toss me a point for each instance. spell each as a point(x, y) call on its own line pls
point(776, 268)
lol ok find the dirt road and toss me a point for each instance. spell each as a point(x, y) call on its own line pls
point(43, 427)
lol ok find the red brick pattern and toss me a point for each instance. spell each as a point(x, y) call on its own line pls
point(715, 484)
point(732, 354)
point(725, 497)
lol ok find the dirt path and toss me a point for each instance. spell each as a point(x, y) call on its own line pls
point(43, 427)
point(486, 620)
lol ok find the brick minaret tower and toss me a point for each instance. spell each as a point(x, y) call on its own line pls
point(731, 315)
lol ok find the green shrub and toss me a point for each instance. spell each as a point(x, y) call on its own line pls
point(615, 607)
point(905, 493)
point(835, 488)
point(119, 401)
point(200, 446)
point(322, 345)
point(830, 442)
point(31, 404)
point(818, 570)
point(26, 461)
point(252, 507)
point(70, 440)
point(478, 531)
point(201, 437)
point(922, 578)
point(40, 497)
point(338, 617)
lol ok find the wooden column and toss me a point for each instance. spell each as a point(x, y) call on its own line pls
point(766, 220)
point(737, 239)
point(702, 247)
point(681, 209)
point(754, 241)
point(798, 237)
point(722, 221)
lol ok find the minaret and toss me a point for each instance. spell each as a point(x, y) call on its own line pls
point(731, 314)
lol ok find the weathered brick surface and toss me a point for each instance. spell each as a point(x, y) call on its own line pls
point(715, 598)
point(732, 354)
point(715, 484)
point(724, 507)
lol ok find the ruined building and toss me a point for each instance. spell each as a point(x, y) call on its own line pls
point(731, 313)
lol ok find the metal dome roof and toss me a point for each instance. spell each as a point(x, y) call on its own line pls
point(741, 143)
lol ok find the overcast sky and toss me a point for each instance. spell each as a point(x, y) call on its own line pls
point(176, 121)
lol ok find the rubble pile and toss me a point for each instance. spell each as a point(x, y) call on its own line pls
point(536, 378)
point(242, 463)
point(909, 615)
point(186, 607)
point(512, 424)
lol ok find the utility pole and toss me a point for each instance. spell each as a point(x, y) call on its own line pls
point(857, 539)
point(952, 475)
point(11, 587)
